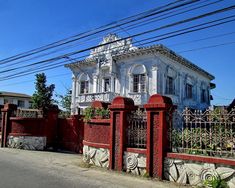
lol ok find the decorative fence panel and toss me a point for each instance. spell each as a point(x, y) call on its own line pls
point(137, 129)
point(210, 132)
point(29, 113)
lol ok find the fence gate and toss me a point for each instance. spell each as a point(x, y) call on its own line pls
point(136, 129)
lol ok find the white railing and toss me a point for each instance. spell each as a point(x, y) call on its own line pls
point(89, 97)
point(139, 98)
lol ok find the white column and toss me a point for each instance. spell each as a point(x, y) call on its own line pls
point(112, 83)
point(95, 80)
point(102, 85)
point(154, 84)
point(74, 93)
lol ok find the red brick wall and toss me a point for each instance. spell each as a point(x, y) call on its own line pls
point(64, 134)
point(97, 132)
point(70, 134)
point(27, 126)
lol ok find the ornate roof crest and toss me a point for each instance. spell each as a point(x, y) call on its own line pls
point(112, 47)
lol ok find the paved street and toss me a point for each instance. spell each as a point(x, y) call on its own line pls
point(22, 169)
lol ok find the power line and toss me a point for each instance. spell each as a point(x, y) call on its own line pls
point(56, 64)
point(138, 34)
point(136, 25)
point(29, 81)
point(205, 47)
point(103, 28)
point(202, 39)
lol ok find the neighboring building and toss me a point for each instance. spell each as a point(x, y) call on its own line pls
point(21, 100)
point(231, 106)
point(119, 68)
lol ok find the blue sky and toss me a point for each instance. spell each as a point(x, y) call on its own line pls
point(29, 24)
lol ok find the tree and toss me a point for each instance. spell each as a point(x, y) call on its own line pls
point(65, 103)
point(42, 97)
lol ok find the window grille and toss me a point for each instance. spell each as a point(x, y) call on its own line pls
point(21, 103)
point(84, 85)
point(139, 83)
point(189, 91)
point(203, 95)
point(170, 85)
point(106, 84)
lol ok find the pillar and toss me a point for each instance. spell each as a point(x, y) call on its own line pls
point(74, 94)
point(7, 112)
point(158, 116)
point(119, 110)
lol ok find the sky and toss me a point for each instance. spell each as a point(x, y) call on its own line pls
point(28, 24)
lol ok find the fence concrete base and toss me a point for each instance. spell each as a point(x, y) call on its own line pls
point(96, 156)
point(26, 142)
point(135, 163)
point(197, 173)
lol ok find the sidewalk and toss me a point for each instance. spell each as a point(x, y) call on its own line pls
point(71, 168)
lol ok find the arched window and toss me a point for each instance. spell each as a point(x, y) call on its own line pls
point(138, 78)
point(84, 83)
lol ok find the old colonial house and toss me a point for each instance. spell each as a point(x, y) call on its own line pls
point(116, 67)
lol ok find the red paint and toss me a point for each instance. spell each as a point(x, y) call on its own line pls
point(60, 133)
point(119, 109)
point(204, 159)
point(99, 121)
point(157, 133)
point(99, 104)
point(71, 133)
point(137, 150)
point(98, 132)
point(26, 126)
point(96, 145)
point(7, 111)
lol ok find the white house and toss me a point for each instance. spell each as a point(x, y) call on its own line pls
point(118, 68)
point(19, 99)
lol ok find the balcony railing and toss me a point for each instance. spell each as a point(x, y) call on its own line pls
point(139, 98)
point(89, 97)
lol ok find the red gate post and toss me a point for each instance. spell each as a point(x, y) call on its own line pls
point(157, 109)
point(119, 109)
point(7, 112)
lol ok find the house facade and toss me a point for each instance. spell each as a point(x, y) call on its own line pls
point(116, 67)
point(19, 99)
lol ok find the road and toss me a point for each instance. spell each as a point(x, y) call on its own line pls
point(36, 169)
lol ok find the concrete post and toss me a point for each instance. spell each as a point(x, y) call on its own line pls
point(7, 112)
point(158, 113)
point(119, 109)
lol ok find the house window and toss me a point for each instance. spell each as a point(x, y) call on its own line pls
point(106, 84)
point(21, 103)
point(84, 85)
point(203, 95)
point(8, 101)
point(189, 91)
point(139, 83)
point(170, 85)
